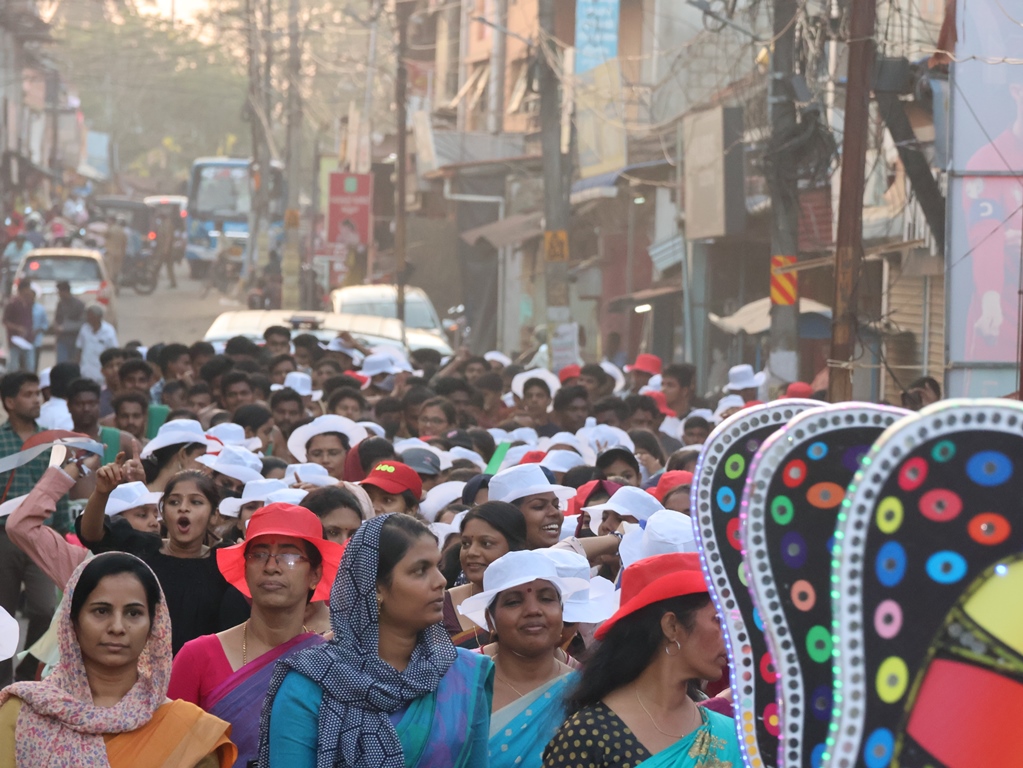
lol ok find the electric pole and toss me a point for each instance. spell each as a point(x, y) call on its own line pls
point(783, 359)
point(556, 212)
point(260, 154)
point(498, 57)
point(291, 263)
point(849, 241)
point(403, 10)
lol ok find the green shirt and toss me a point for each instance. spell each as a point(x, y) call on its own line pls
point(22, 480)
point(157, 416)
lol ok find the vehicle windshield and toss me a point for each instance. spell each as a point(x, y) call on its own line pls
point(417, 313)
point(222, 191)
point(71, 268)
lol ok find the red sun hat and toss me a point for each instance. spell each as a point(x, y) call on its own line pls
point(646, 363)
point(653, 579)
point(569, 372)
point(668, 482)
point(662, 402)
point(394, 477)
point(280, 519)
point(798, 389)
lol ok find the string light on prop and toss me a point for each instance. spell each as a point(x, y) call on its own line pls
point(927, 580)
point(718, 485)
point(796, 484)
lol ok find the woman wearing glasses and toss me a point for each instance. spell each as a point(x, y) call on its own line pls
point(283, 563)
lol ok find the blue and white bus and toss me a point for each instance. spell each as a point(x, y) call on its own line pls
point(220, 193)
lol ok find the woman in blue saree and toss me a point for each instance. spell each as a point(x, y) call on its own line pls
point(389, 690)
point(632, 707)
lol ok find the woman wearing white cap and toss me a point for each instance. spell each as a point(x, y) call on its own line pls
point(326, 441)
point(176, 447)
point(522, 607)
point(537, 498)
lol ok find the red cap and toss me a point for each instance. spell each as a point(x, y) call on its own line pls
point(569, 372)
point(280, 519)
point(668, 482)
point(395, 477)
point(751, 403)
point(798, 389)
point(533, 457)
point(653, 579)
point(662, 402)
point(646, 363)
point(582, 496)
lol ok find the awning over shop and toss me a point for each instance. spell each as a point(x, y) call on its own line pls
point(511, 230)
point(647, 295)
point(605, 184)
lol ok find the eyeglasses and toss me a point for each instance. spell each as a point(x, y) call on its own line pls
point(285, 559)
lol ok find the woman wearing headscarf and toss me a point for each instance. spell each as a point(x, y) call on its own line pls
point(389, 690)
point(105, 705)
point(634, 704)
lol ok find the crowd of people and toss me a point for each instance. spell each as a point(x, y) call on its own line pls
point(300, 553)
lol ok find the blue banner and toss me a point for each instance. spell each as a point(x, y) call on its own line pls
point(596, 33)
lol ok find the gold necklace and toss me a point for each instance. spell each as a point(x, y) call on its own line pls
point(520, 694)
point(245, 641)
point(654, 722)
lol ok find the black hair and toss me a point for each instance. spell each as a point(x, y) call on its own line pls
point(629, 647)
point(199, 388)
point(445, 405)
point(503, 517)
point(387, 405)
point(260, 384)
point(643, 403)
point(345, 393)
point(566, 395)
point(248, 365)
point(270, 463)
point(475, 360)
point(241, 345)
point(462, 471)
point(536, 382)
point(641, 438)
point(322, 501)
point(276, 330)
point(285, 395)
point(234, 377)
point(130, 397)
point(340, 381)
point(114, 564)
point(594, 371)
point(482, 442)
point(426, 356)
point(374, 449)
point(216, 366)
point(182, 413)
point(680, 458)
point(105, 357)
point(417, 396)
point(615, 404)
point(697, 422)
point(170, 353)
point(577, 477)
point(219, 417)
point(130, 366)
point(473, 487)
point(683, 373)
point(173, 387)
point(201, 349)
point(11, 383)
point(252, 416)
point(160, 458)
point(61, 376)
point(926, 382)
point(309, 343)
point(282, 358)
point(613, 454)
point(205, 483)
point(80, 385)
point(445, 386)
point(490, 381)
point(397, 535)
point(329, 361)
point(153, 353)
point(345, 442)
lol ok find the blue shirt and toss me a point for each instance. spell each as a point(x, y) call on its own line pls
point(13, 254)
point(40, 323)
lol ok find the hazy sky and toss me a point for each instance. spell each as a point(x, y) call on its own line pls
point(183, 9)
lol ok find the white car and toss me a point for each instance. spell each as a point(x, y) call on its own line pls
point(423, 327)
point(83, 268)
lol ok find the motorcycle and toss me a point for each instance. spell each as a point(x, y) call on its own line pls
point(141, 272)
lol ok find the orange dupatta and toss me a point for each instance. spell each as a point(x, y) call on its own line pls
point(179, 736)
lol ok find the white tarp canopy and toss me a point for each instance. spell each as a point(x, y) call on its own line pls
point(755, 318)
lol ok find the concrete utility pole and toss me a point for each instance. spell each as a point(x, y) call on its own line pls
point(403, 10)
point(291, 263)
point(260, 153)
point(849, 241)
point(556, 207)
point(498, 61)
point(784, 337)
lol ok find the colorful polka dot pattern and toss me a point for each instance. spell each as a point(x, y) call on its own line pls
point(720, 483)
point(934, 514)
point(798, 483)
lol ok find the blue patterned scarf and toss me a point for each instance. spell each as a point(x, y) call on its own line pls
point(360, 690)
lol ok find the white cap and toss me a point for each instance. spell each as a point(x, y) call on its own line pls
point(320, 426)
point(257, 490)
point(129, 496)
point(727, 403)
point(439, 497)
point(337, 345)
point(615, 373)
point(518, 382)
point(666, 531)
point(741, 377)
point(9, 632)
point(44, 378)
point(458, 452)
point(629, 501)
point(493, 356)
point(229, 433)
point(395, 355)
point(372, 426)
point(526, 434)
point(314, 474)
point(597, 603)
point(442, 531)
point(514, 455)
point(562, 461)
point(177, 432)
point(236, 462)
point(513, 570)
point(600, 437)
point(298, 381)
point(654, 385)
point(562, 438)
point(287, 495)
point(379, 363)
point(525, 480)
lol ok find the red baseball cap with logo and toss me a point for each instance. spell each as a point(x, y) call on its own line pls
point(645, 363)
point(395, 477)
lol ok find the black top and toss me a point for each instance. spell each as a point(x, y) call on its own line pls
point(594, 737)
point(199, 600)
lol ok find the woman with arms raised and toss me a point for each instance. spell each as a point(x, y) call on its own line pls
point(633, 706)
point(106, 702)
point(389, 690)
